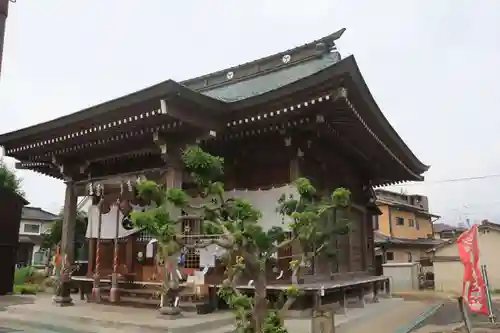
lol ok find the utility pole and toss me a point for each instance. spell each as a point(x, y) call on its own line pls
point(4, 11)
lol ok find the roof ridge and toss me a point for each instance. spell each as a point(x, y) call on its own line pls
point(329, 38)
point(39, 208)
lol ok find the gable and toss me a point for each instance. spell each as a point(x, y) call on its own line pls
point(38, 214)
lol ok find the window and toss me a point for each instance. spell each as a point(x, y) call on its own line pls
point(400, 220)
point(40, 258)
point(389, 256)
point(411, 222)
point(417, 225)
point(32, 228)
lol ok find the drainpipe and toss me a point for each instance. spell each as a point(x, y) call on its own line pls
point(432, 225)
point(390, 221)
point(4, 11)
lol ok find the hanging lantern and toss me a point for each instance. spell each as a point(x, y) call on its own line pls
point(129, 185)
point(127, 222)
point(91, 189)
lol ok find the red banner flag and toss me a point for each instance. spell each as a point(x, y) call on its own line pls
point(473, 290)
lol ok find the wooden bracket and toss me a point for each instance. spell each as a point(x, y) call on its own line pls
point(69, 170)
point(192, 115)
point(170, 153)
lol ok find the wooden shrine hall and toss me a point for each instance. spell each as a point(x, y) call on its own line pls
point(303, 112)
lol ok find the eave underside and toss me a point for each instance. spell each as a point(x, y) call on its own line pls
point(340, 128)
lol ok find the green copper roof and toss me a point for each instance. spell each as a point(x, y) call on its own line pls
point(264, 83)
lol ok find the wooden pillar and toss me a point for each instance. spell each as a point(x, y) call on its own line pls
point(63, 295)
point(69, 220)
point(96, 288)
point(173, 179)
point(364, 239)
point(294, 174)
point(114, 293)
point(129, 254)
point(91, 258)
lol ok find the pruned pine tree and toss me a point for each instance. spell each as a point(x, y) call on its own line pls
point(9, 180)
point(248, 246)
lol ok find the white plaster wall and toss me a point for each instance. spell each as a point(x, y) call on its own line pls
point(448, 275)
point(403, 276)
point(23, 223)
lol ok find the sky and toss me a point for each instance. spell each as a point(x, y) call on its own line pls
point(432, 67)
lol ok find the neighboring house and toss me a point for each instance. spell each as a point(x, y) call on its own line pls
point(404, 230)
point(397, 249)
point(449, 271)
point(404, 216)
point(445, 231)
point(34, 223)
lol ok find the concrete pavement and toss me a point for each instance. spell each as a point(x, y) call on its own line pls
point(38, 312)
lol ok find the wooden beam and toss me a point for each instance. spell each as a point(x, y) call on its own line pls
point(192, 116)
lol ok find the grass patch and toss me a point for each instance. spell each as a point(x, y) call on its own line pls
point(28, 281)
point(27, 289)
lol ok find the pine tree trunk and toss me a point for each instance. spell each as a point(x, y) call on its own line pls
point(170, 286)
point(260, 301)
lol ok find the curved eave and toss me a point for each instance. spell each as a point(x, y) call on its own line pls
point(360, 83)
point(347, 66)
point(345, 69)
point(158, 91)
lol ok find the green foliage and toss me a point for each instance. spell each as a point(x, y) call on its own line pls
point(233, 300)
point(9, 180)
point(272, 323)
point(151, 192)
point(22, 275)
point(28, 281)
point(316, 221)
point(53, 237)
point(27, 289)
point(203, 167)
point(237, 220)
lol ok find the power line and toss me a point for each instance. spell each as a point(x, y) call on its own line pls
point(451, 180)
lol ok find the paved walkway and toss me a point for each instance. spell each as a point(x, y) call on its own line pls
point(390, 321)
point(83, 315)
point(385, 317)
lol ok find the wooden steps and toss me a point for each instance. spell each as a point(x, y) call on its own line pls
point(144, 297)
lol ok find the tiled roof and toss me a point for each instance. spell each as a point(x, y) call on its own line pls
point(384, 239)
point(36, 213)
point(438, 227)
point(266, 82)
point(485, 225)
point(394, 203)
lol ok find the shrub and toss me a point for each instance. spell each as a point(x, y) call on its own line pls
point(9, 180)
point(23, 275)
